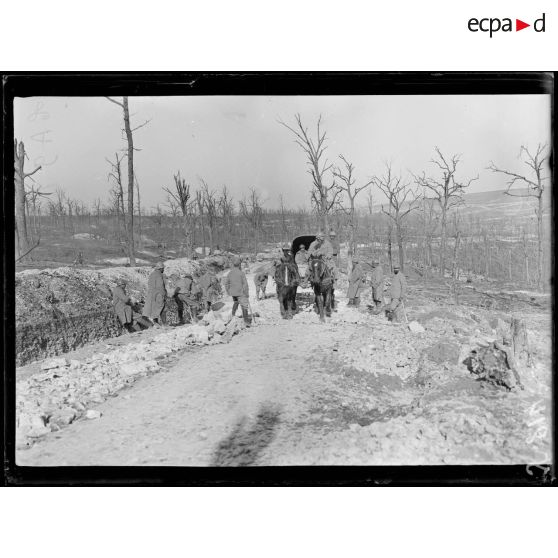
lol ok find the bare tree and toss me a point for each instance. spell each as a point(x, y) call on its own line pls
point(323, 195)
point(428, 220)
point(22, 235)
point(252, 211)
point(117, 194)
point(140, 237)
point(174, 211)
point(448, 192)
point(535, 189)
point(347, 185)
point(226, 212)
point(402, 201)
point(97, 209)
point(130, 154)
point(282, 212)
point(32, 197)
point(456, 233)
point(201, 212)
point(182, 196)
point(58, 208)
point(211, 211)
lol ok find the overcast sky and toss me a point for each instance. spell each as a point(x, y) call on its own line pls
point(237, 140)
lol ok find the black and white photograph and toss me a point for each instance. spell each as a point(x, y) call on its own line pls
point(256, 280)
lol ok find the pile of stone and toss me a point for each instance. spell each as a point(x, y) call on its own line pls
point(66, 390)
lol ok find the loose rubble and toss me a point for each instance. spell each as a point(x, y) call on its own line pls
point(65, 390)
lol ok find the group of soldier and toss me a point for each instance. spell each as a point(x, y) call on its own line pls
point(191, 296)
point(195, 296)
point(328, 249)
point(397, 291)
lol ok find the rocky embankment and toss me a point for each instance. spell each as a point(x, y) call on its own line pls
point(59, 310)
point(68, 389)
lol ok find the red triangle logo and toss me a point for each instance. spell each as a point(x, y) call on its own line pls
point(519, 25)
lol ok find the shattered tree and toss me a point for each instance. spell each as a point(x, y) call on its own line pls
point(130, 155)
point(324, 196)
point(535, 189)
point(22, 237)
point(448, 193)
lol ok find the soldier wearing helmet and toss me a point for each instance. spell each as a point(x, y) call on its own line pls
point(155, 298)
point(397, 292)
point(321, 247)
point(236, 286)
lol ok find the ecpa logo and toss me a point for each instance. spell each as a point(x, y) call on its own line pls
point(492, 25)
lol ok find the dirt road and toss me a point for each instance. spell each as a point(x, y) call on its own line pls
point(354, 391)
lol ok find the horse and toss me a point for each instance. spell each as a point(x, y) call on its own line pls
point(321, 281)
point(287, 280)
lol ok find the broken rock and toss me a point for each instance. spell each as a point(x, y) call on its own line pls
point(38, 432)
point(415, 327)
point(93, 414)
point(63, 417)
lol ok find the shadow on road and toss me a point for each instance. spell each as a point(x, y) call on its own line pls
point(245, 443)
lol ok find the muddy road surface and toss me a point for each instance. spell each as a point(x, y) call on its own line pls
point(354, 391)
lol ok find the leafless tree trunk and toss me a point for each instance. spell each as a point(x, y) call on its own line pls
point(130, 153)
point(284, 229)
point(389, 243)
point(140, 238)
point(402, 201)
point(252, 212)
point(182, 195)
point(447, 192)
point(201, 211)
point(324, 196)
point(118, 194)
point(535, 189)
point(429, 222)
point(525, 247)
point(211, 211)
point(347, 186)
point(226, 210)
point(22, 235)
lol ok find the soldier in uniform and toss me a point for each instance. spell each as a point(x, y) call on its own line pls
point(186, 296)
point(301, 260)
point(155, 298)
point(357, 280)
point(377, 282)
point(236, 286)
point(321, 247)
point(397, 293)
point(208, 289)
point(122, 304)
